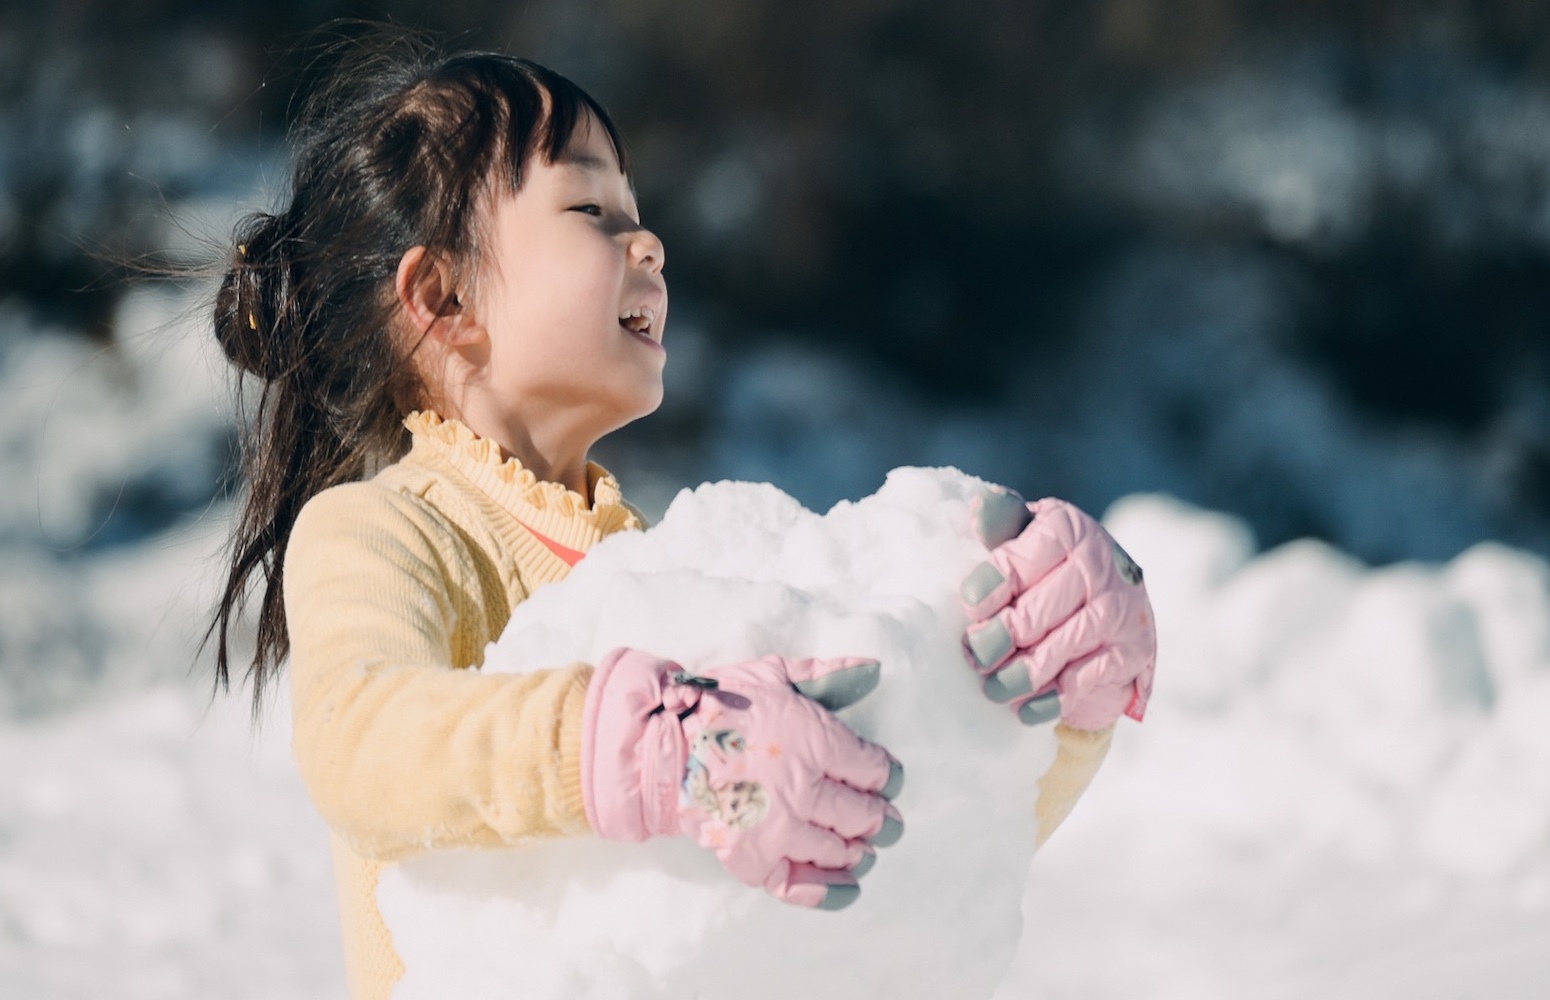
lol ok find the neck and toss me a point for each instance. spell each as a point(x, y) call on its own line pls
point(551, 437)
point(553, 451)
point(550, 461)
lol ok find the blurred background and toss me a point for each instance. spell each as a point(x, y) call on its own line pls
point(1290, 260)
point(1284, 259)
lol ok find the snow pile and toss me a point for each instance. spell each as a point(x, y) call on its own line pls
point(149, 849)
point(1283, 826)
point(1340, 789)
point(107, 446)
point(1405, 705)
point(734, 571)
point(110, 443)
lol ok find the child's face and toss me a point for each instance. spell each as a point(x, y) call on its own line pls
point(565, 260)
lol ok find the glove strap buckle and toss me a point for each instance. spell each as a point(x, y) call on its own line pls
point(686, 679)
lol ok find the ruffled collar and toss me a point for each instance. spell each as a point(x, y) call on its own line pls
point(550, 509)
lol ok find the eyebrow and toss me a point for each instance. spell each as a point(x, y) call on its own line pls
point(586, 161)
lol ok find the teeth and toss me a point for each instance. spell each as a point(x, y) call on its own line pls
point(641, 319)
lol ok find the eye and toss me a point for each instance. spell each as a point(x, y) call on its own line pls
point(589, 208)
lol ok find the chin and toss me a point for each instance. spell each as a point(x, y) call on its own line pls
point(642, 405)
point(648, 407)
point(650, 398)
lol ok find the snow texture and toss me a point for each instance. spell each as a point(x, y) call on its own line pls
point(1340, 789)
point(1253, 840)
point(734, 571)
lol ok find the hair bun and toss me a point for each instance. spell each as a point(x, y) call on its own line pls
point(251, 301)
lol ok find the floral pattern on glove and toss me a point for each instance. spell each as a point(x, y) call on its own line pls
point(737, 804)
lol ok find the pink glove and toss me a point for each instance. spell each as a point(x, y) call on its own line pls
point(746, 759)
point(1064, 627)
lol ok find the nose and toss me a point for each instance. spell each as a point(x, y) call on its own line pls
point(647, 250)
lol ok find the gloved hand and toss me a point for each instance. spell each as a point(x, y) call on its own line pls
point(749, 761)
point(1060, 623)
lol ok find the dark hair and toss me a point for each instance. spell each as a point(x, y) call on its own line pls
point(399, 147)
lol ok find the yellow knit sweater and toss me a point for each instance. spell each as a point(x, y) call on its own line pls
point(393, 587)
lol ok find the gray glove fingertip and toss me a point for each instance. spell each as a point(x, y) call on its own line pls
point(1009, 683)
point(841, 688)
point(990, 643)
point(1037, 711)
point(981, 582)
point(839, 896)
point(895, 783)
point(893, 829)
point(867, 863)
point(1001, 517)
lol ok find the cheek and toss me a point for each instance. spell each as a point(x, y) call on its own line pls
point(555, 265)
point(574, 283)
point(596, 260)
point(577, 286)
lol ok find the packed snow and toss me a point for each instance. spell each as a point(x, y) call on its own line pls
point(736, 571)
point(1342, 788)
point(1282, 825)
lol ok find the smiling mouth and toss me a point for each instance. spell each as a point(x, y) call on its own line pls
point(641, 322)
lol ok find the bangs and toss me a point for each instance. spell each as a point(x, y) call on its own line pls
point(569, 107)
point(526, 109)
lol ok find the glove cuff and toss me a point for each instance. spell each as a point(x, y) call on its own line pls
point(633, 753)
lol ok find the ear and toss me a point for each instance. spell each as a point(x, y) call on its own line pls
point(427, 291)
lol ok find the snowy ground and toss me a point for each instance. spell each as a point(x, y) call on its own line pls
point(150, 850)
point(1341, 791)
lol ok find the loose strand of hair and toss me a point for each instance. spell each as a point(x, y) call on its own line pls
point(398, 147)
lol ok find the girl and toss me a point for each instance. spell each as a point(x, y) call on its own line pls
point(458, 301)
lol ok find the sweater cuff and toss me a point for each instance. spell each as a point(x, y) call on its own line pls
point(1077, 758)
point(572, 805)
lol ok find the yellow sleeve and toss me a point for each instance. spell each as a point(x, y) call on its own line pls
point(400, 750)
point(1076, 761)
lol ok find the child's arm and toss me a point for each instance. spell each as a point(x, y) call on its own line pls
point(1063, 629)
point(400, 751)
point(1077, 758)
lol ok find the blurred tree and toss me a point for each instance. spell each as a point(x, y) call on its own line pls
point(894, 179)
